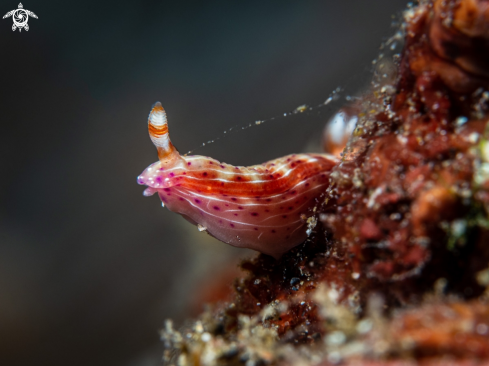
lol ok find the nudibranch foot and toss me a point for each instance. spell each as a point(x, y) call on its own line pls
point(257, 207)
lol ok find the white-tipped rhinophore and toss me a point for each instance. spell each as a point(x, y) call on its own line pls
point(158, 132)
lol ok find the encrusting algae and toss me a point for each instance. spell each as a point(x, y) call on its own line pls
point(395, 271)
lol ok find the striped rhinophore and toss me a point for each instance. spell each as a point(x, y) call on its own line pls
point(261, 207)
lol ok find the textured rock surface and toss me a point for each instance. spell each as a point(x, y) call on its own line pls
point(395, 271)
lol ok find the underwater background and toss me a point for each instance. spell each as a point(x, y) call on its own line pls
point(89, 268)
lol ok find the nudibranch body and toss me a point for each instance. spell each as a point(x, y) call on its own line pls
point(261, 207)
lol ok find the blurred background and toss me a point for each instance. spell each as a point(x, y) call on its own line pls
point(89, 268)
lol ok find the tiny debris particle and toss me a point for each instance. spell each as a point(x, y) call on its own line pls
point(473, 137)
point(199, 328)
point(334, 357)
point(335, 338)
point(311, 224)
point(459, 227)
point(364, 326)
point(206, 337)
point(461, 120)
point(395, 216)
point(295, 283)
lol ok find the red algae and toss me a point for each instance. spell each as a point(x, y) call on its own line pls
point(395, 271)
point(410, 179)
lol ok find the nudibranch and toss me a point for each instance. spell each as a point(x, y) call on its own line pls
point(262, 207)
point(339, 128)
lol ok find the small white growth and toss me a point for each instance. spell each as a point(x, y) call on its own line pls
point(333, 295)
point(461, 121)
point(459, 227)
point(335, 338)
point(373, 197)
point(364, 326)
point(334, 357)
point(199, 328)
point(206, 337)
point(402, 139)
point(311, 224)
point(473, 137)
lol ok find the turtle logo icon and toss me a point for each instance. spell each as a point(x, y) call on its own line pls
point(20, 17)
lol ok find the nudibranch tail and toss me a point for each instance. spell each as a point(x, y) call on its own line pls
point(158, 132)
point(261, 207)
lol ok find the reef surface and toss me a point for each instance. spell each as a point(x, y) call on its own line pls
point(396, 269)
